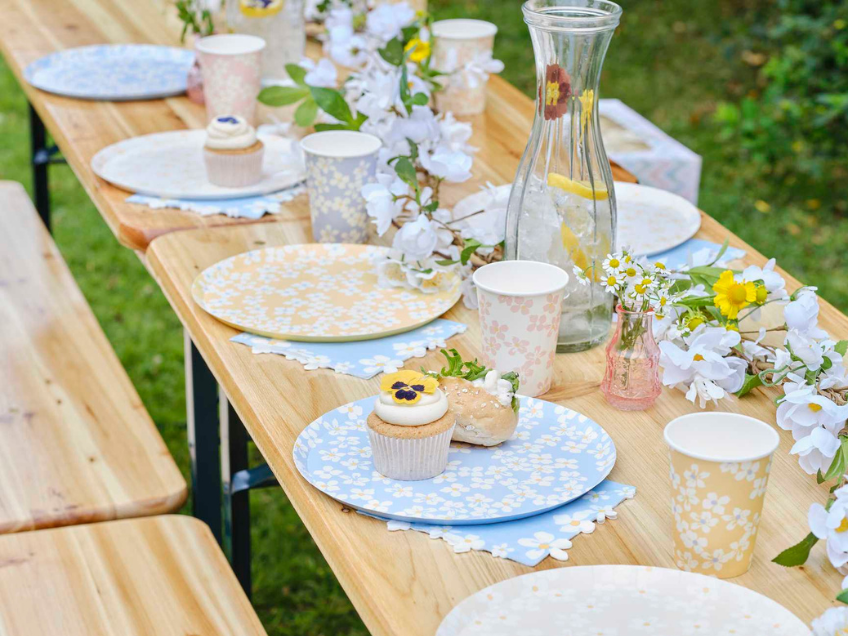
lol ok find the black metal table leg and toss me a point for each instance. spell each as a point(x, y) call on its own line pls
point(40, 162)
point(203, 440)
point(234, 439)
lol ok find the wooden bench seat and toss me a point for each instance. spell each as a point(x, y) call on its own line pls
point(76, 443)
point(160, 576)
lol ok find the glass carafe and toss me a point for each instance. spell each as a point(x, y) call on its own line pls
point(280, 23)
point(562, 206)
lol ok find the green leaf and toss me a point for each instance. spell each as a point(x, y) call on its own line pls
point(696, 301)
point(392, 52)
point(332, 102)
point(306, 113)
point(282, 95)
point(297, 74)
point(420, 99)
point(797, 554)
point(323, 127)
point(841, 347)
point(751, 382)
point(721, 251)
point(842, 597)
point(445, 262)
point(406, 172)
point(839, 462)
point(471, 246)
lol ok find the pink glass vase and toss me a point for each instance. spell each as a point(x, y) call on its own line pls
point(632, 378)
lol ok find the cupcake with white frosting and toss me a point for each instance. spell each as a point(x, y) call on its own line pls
point(232, 153)
point(410, 428)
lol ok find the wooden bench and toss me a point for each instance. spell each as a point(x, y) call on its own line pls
point(76, 443)
point(161, 576)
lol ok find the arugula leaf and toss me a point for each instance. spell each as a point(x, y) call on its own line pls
point(282, 95)
point(797, 554)
point(458, 368)
point(306, 113)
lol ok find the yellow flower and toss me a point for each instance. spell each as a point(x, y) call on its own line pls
point(694, 322)
point(407, 386)
point(420, 49)
point(732, 296)
point(762, 294)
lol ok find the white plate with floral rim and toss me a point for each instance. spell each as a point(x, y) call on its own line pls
point(555, 456)
point(171, 165)
point(113, 72)
point(315, 292)
point(619, 600)
point(650, 220)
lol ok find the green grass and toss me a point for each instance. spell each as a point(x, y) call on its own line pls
point(672, 61)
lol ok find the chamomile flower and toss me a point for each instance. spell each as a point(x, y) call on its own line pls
point(613, 264)
point(580, 275)
point(612, 283)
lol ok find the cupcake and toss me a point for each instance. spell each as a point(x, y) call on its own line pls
point(410, 427)
point(482, 400)
point(232, 153)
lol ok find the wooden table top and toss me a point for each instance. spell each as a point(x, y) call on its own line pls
point(403, 583)
point(77, 443)
point(162, 576)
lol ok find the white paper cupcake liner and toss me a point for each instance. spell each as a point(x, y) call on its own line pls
point(410, 459)
point(234, 171)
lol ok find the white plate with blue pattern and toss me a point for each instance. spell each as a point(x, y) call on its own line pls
point(555, 456)
point(113, 72)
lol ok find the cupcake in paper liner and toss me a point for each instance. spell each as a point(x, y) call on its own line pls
point(410, 428)
point(232, 153)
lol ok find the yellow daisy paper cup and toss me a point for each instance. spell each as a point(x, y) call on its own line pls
point(720, 466)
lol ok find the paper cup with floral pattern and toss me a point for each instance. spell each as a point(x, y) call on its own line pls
point(720, 465)
point(338, 164)
point(520, 308)
point(456, 43)
point(231, 65)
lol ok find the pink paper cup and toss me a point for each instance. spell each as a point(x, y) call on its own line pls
point(520, 308)
point(231, 66)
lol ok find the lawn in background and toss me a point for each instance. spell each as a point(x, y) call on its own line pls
point(672, 61)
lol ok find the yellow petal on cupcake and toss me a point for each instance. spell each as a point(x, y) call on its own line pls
point(407, 387)
point(584, 189)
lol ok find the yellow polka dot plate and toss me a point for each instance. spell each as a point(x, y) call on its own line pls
point(317, 292)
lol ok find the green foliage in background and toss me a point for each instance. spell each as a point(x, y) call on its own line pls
point(684, 65)
point(795, 120)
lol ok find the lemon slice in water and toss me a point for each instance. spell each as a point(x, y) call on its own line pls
point(580, 188)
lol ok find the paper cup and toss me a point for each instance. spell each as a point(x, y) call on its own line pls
point(456, 43)
point(231, 66)
point(338, 164)
point(520, 308)
point(720, 465)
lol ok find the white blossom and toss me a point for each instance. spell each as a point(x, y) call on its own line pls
point(380, 203)
point(386, 21)
point(417, 239)
point(701, 368)
point(802, 314)
point(774, 283)
point(452, 166)
point(832, 526)
point(323, 73)
point(834, 622)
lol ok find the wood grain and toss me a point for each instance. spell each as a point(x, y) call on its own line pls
point(163, 576)
point(77, 444)
point(31, 29)
point(403, 583)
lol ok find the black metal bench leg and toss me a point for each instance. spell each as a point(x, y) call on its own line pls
point(40, 162)
point(234, 440)
point(204, 440)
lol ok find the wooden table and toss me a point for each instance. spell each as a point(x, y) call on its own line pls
point(31, 29)
point(403, 583)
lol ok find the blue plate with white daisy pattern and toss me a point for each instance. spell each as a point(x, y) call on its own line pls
point(555, 456)
point(113, 72)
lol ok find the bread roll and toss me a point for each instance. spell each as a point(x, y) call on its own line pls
point(480, 418)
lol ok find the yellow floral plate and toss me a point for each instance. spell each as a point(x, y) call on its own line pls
point(316, 292)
